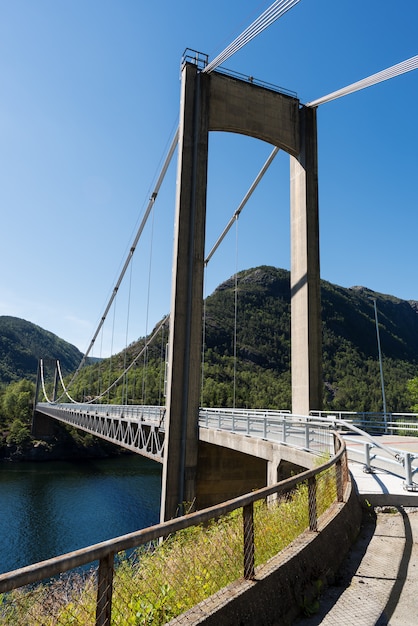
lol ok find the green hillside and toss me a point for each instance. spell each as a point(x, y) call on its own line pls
point(23, 343)
point(260, 375)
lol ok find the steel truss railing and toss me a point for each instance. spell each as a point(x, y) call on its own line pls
point(136, 428)
point(142, 428)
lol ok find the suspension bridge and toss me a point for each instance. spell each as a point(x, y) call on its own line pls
point(214, 99)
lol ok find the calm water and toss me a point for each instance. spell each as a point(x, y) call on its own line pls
point(48, 509)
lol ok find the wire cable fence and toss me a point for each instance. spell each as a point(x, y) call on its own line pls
point(179, 570)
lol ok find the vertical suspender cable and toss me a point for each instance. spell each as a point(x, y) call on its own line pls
point(162, 366)
point(111, 352)
point(99, 390)
point(125, 378)
point(146, 355)
point(202, 371)
point(235, 312)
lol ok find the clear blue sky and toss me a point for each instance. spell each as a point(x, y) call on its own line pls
point(89, 101)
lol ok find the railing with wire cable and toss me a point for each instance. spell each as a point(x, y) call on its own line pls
point(226, 544)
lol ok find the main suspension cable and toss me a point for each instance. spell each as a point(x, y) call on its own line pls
point(390, 72)
point(63, 384)
point(41, 364)
point(235, 313)
point(151, 202)
point(270, 15)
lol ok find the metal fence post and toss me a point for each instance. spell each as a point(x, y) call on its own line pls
point(339, 480)
point(307, 433)
point(367, 466)
point(248, 520)
point(313, 516)
point(408, 471)
point(104, 591)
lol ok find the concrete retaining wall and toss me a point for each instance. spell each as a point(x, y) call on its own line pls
point(290, 580)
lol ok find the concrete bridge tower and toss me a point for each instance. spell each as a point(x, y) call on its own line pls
point(220, 102)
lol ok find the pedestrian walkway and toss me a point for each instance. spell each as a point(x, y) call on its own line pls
point(377, 584)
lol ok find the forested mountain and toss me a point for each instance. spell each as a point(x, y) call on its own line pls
point(260, 375)
point(23, 343)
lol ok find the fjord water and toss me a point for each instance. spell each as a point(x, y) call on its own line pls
point(51, 508)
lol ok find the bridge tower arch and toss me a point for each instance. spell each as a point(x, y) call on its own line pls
point(219, 102)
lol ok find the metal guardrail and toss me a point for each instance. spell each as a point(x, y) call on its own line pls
point(278, 426)
point(376, 422)
point(394, 458)
point(401, 460)
point(107, 552)
point(137, 412)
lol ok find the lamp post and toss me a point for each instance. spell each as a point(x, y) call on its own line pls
point(380, 362)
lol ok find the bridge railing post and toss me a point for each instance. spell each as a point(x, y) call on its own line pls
point(104, 590)
point(312, 504)
point(339, 480)
point(307, 433)
point(341, 470)
point(367, 465)
point(248, 522)
point(408, 471)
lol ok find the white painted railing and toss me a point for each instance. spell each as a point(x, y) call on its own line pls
point(376, 423)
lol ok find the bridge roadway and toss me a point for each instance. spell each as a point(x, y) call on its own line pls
point(390, 461)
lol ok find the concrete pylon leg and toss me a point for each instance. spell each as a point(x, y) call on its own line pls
point(185, 342)
point(306, 343)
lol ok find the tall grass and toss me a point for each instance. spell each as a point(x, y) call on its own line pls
point(156, 583)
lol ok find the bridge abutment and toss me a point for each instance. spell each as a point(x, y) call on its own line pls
point(43, 426)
